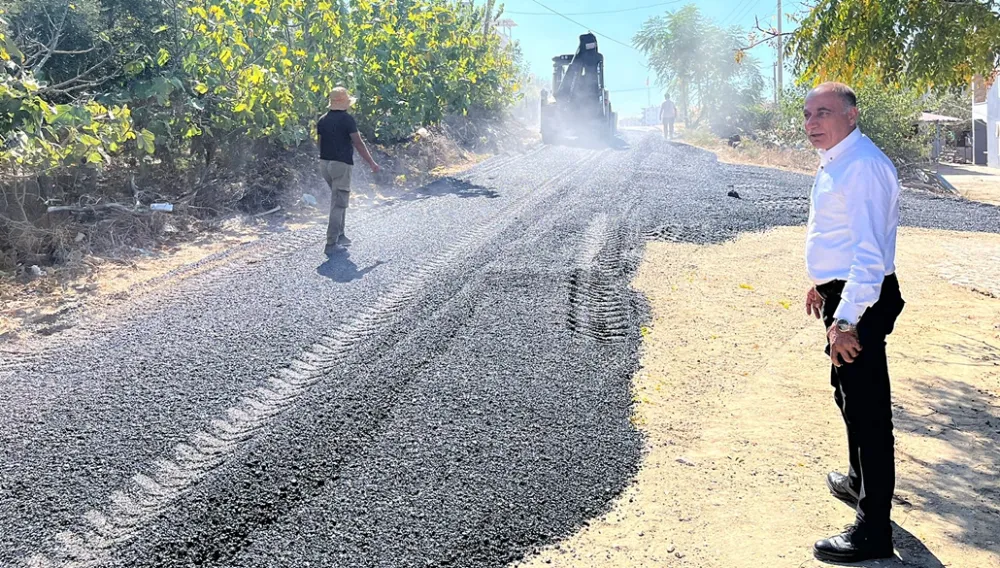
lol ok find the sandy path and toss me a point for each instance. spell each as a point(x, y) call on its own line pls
point(734, 399)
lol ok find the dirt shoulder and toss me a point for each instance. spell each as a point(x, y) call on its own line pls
point(734, 399)
point(752, 153)
point(977, 183)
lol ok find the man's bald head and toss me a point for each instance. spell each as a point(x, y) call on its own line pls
point(831, 114)
point(845, 93)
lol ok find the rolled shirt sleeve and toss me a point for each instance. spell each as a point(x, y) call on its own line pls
point(868, 195)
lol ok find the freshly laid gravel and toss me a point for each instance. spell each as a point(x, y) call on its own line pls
point(455, 392)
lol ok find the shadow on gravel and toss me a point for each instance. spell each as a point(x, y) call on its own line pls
point(449, 186)
point(342, 269)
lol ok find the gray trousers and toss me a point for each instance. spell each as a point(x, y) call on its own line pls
point(338, 177)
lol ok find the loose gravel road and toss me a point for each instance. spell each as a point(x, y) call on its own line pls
point(455, 391)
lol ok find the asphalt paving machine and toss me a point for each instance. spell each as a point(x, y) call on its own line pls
point(579, 106)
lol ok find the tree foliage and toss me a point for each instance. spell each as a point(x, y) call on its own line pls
point(90, 83)
point(697, 59)
point(888, 115)
point(930, 43)
point(175, 95)
point(40, 134)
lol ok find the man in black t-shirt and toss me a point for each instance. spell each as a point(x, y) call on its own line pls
point(338, 138)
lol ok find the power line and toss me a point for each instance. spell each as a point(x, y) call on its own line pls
point(637, 8)
point(592, 30)
point(740, 6)
point(747, 12)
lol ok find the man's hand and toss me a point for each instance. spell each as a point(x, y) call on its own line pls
point(844, 345)
point(814, 303)
point(375, 167)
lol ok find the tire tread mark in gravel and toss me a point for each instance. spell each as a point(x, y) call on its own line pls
point(680, 234)
point(597, 309)
point(230, 262)
point(149, 493)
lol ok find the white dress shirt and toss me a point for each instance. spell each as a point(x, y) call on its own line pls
point(853, 215)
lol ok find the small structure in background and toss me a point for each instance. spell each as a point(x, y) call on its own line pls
point(506, 28)
point(937, 146)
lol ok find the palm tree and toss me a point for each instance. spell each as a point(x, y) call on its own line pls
point(698, 60)
point(673, 44)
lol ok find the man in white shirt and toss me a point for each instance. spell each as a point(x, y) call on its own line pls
point(850, 257)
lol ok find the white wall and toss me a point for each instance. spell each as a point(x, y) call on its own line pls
point(992, 125)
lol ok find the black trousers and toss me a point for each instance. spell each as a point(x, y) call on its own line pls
point(861, 390)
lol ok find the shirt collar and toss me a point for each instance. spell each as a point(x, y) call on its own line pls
point(827, 156)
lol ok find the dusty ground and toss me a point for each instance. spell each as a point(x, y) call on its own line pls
point(734, 399)
point(977, 183)
point(99, 280)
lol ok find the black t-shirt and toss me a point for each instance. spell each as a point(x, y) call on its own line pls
point(335, 131)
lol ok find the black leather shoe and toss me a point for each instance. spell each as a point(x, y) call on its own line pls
point(855, 545)
point(840, 487)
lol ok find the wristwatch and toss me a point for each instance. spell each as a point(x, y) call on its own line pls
point(845, 326)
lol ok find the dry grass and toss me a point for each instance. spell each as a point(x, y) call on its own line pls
point(751, 152)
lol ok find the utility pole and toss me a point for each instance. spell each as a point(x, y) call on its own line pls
point(781, 55)
point(774, 81)
point(488, 15)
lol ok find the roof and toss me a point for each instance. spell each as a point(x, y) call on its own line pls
point(931, 117)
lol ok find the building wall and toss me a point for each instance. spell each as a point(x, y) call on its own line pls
point(651, 116)
point(993, 125)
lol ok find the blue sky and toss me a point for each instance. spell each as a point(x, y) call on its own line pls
point(545, 36)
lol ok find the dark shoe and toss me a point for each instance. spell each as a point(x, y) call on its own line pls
point(344, 241)
point(331, 250)
point(840, 487)
point(856, 544)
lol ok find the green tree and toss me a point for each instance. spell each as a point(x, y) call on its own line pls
point(930, 43)
point(888, 115)
point(92, 82)
point(76, 49)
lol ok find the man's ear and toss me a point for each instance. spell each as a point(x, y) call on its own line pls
point(852, 114)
